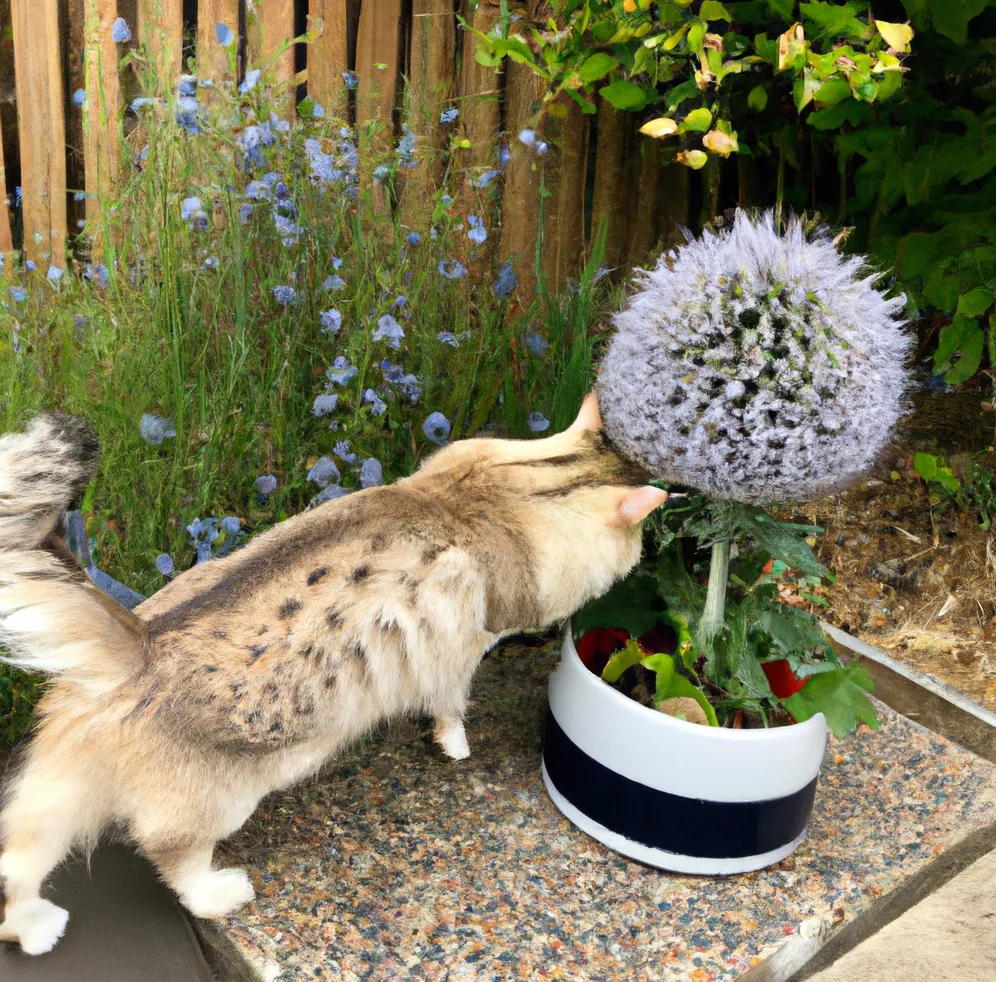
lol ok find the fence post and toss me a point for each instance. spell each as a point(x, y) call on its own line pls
point(101, 157)
point(160, 30)
point(6, 240)
point(41, 127)
point(327, 55)
point(271, 26)
point(430, 87)
point(212, 57)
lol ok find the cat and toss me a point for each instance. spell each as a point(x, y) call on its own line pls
point(245, 674)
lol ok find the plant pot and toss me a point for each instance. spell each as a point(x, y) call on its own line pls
point(672, 794)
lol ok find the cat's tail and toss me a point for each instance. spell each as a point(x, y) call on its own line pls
point(52, 618)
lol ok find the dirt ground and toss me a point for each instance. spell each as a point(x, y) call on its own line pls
point(915, 578)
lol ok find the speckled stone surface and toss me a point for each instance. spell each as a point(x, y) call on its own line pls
point(399, 864)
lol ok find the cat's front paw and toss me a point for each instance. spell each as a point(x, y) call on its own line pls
point(217, 892)
point(452, 738)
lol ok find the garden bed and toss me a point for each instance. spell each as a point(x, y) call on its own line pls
point(923, 590)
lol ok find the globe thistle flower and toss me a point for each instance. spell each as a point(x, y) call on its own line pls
point(755, 366)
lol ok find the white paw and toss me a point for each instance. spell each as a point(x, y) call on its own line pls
point(453, 741)
point(36, 924)
point(217, 893)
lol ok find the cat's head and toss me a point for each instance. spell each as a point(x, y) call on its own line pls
point(575, 505)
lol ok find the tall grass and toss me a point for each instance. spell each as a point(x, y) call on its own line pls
point(190, 318)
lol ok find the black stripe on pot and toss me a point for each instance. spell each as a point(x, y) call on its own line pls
point(686, 826)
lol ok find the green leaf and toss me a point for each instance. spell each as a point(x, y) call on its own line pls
point(597, 66)
point(633, 604)
point(971, 356)
point(697, 121)
point(976, 302)
point(757, 98)
point(850, 111)
point(832, 91)
point(925, 464)
point(672, 685)
point(712, 10)
point(841, 695)
point(623, 94)
point(620, 661)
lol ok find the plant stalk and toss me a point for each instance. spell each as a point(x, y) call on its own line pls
point(715, 604)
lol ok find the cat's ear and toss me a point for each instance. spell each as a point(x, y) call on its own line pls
point(589, 418)
point(635, 505)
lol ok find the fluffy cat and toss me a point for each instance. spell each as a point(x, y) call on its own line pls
point(247, 673)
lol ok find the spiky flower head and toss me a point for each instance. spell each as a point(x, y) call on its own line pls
point(755, 366)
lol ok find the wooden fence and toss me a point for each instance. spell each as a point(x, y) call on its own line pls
point(410, 53)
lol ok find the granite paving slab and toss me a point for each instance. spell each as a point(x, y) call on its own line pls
point(398, 864)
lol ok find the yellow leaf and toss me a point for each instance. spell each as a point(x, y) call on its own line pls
point(696, 159)
point(660, 127)
point(897, 36)
point(790, 44)
point(722, 143)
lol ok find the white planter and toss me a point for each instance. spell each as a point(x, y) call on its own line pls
point(682, 797)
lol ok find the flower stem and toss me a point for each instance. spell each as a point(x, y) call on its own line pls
point(715, 604)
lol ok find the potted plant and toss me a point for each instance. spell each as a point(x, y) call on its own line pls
point(688, 715)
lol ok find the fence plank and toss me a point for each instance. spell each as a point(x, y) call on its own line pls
point(101, 155)
point(430, 88)
point(6, 240)
point(563, 250)
point(377, 43)
point(523, 179)
point(268, 28)
point(160, 29)
point(41, 127)
point(213, 58)
point(609, 201)
point(327, 58)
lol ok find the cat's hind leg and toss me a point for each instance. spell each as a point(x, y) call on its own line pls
point(451, 736)
point(203, 890)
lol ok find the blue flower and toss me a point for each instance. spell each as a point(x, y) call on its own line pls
point(447, 337)
point(388, 329)
point(245, 211)
point(317, 112)
point(330, 493)
point(324, 472)
point(379, 407)
point(336, 262)
point(448, 115)
point(155, 429)
point(528, 137)
point(257, 191)
point(536, 344)
point(189, 208)
point(381, 173)
point(188, 85)
point(437, 428)
point(284, 295)
point(289, 232)
point(120, 31)
point(224, 35)
point(397, 377)
point(231, 525)
point(187, 108)
point(506, 281)
point(405, 149)
point(344, 453)
point(477, 232)
point(79, 97)
point(30, 264)
point(202, 533)
point(81, 320)
point(399, 303)
point(325, 405)
point(486, 178)
point(252, 77)
point(503, 156)
point(18, 294)
point(538, 422)
point(351, 79)
point(452, 269)
point(54, 273)
point(331, 321)
point(138, 103)
point(371, 473)
point(164, 564)
point(413, 238)
point(333, 282)
point(341, 372)
point(264, 485)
